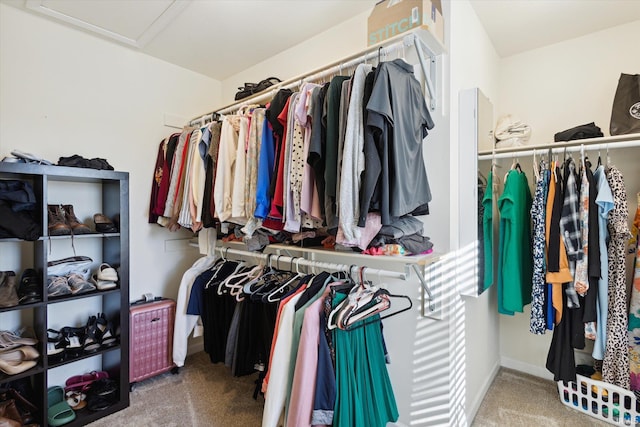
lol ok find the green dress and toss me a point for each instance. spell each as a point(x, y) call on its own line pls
point(515, 264)
point(364, 396)
point(487, 223)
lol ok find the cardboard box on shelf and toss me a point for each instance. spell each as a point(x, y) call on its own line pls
point(393, 17)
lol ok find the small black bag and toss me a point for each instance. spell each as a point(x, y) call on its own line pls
point(252, 88)
point(625, 114)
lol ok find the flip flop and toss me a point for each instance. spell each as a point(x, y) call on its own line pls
point(83, 382)
point(76, 399)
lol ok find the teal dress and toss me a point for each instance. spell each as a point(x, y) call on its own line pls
point(364, 394)
point(487, 223)
point(515, 264)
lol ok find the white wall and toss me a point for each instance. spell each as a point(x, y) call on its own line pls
point(65, 92)
point(329, 46)
point(571, 83)
point(555, 88)
point(474, 63)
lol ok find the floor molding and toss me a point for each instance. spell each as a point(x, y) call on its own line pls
point(475, 405)
point(526, 368)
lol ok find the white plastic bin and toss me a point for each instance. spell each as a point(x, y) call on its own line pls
point(601, 400)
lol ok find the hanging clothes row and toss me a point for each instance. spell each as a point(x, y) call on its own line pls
point(563, 251)
point(315, 339)
point(343, 158)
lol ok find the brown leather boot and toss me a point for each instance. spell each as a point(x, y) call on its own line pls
point(76, 226)
point(8, 290)
point(57, 222)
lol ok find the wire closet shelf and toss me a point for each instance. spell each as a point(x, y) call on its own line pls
point(397, 45)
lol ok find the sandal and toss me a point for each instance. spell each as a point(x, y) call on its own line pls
point(106, 277)
point(76, 399)
point(107, 273)
point(74, 338)
point(59, 411)
point(107, 332)
point(56, 344)
point(93, 336)
point(83, 382)
point(103, 393)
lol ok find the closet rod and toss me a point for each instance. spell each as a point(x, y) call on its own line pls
point(384, 48)
point(225, 251)
point(558, 150)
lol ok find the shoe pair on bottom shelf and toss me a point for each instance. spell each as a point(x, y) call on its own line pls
point(95, 390)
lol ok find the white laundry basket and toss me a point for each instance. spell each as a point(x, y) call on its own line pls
point(606, 402)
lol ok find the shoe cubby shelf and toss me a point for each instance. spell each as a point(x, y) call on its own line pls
point(84, 356)
point(65, 298)
point(89, 192)
point(36, 370)
point(76, 236)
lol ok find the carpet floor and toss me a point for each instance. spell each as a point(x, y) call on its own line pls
point(201, 395)
point(206, 395)
point(516, 399)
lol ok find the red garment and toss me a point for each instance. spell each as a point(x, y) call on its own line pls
point(163, 191)
point(277, 203)
point(158, 173)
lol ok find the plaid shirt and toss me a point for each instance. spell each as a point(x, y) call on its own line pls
point(570, 217)
point(570, 228)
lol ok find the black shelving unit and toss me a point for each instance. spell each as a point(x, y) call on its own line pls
point(113, 188)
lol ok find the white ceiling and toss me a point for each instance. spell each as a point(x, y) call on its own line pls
point(516, 26)
point(219, 38)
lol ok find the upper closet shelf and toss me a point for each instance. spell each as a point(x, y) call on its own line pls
point(604, 143)
point(420, 38)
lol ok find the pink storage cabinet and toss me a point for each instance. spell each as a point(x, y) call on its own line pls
point(151, 338)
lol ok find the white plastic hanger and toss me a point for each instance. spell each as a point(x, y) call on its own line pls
point(272, 297)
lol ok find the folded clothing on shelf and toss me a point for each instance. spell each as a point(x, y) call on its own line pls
point(511, 132)
point(29, 158)
point(589, 130)
point(80, 162)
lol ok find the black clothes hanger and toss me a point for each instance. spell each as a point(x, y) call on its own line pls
point(382, 292)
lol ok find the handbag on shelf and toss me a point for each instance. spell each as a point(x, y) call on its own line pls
point(625, 114)
point(253, 88)
point(9, 415)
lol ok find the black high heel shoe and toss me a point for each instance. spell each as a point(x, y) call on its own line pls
point(56, 345)
point(107, 331)
point(93, 336)
point(75, 338)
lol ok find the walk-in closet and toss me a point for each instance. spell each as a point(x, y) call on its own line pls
point(283, 214)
